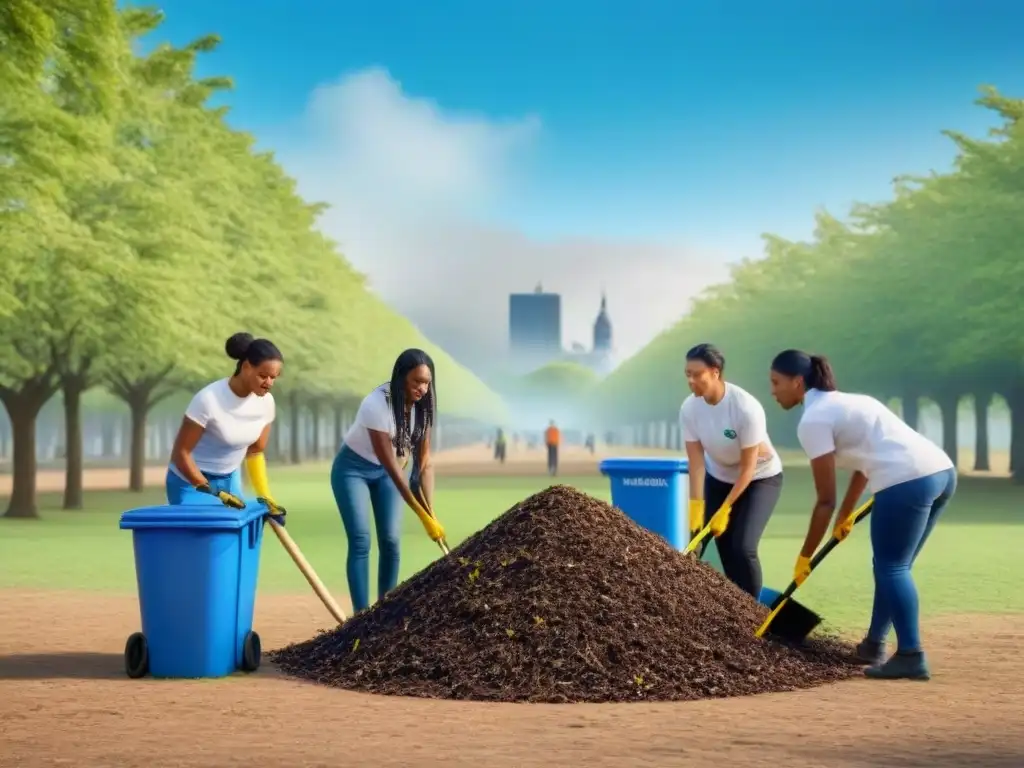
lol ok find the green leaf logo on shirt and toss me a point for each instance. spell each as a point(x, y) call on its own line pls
point(730, 433)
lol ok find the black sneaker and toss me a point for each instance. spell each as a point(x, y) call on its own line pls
point(871, 652)
point(901, 666)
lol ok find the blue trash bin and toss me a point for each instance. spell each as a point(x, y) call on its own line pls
point(652, 491)
point(196, 568)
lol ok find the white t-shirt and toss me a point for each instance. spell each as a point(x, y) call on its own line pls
point(230, 423)
point(374, 413)
point(868, 437)
point(736, 422)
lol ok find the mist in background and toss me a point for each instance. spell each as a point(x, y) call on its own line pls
point(410, 184)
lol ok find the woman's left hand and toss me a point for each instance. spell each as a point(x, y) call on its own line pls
point(720, 521)
point(274, 510)
point(801, 570)
point(843, 527)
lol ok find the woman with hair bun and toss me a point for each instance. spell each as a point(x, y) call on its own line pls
point(912, 480)
point(228, 424)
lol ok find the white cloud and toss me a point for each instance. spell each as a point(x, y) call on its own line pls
point(407, 183)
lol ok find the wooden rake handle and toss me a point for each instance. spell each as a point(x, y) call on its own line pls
point(307, 570)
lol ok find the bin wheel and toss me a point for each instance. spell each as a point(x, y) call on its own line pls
point(136, 656)
point(252, 652)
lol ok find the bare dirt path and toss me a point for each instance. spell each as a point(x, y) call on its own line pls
point(459, 462)
point(64, 700)
point(468, 461)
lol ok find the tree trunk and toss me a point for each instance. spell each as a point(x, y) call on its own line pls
point(339, 427)
point(1015, 400)
point(73, 387)
point(139, 407)
point(948, 404)
point(314, 438)
point(295, 417)
point(276, 443)
point(23, 406)
point(140, 395)
point(982, 401)
point(23, 492)
point(108, 427)
point(5, 436)
point(910, 406)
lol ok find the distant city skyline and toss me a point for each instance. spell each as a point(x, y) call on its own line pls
point(536, 338)
point(467, 152)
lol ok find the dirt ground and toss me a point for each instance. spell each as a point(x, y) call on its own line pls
point(468, 461)
point(64, 700)
point(460, 462)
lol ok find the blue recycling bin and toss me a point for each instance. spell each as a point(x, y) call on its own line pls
point(652, 491)
point(196, 568)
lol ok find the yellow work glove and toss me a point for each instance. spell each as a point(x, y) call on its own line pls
point(801, 570)
point(256, 468)
point(720, 521)
point(227, 499)
point(431, 525)
point(696, 516)
point(842, 529)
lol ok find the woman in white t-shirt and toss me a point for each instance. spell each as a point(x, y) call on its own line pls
point(228, 423)
point(735, 472)
point(392, 422)
point(912, 480)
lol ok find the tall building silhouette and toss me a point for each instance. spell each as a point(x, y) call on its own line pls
point(535, 333)
point(603, 328)
point(534, 327)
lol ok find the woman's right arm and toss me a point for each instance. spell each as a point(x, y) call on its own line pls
point(695, 458)
point(181, 454)
point(385, 453)
point(694, 453)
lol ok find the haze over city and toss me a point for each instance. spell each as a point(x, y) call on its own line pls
point(641, 158)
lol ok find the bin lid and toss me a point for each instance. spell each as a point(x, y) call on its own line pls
point(201, 516)
point(662, 465)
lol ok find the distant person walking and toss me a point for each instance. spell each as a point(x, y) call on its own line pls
point(912, 480)
point(227, 424)
point(500, 446)
point(552, 439)
point(735, 471)
point(392, 422)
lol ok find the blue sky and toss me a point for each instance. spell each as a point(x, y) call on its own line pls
point(656, 114)
point(705, 122)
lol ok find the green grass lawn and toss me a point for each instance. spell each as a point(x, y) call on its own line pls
point(967, 566)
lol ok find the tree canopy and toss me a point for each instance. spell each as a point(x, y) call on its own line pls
point(916, 297)
point(138, 230)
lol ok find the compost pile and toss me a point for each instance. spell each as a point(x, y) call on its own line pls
point(563, 599)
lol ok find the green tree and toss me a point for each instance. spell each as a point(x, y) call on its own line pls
point(61, 89)
point(905, 298)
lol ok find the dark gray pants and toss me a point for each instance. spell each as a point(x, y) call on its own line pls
point(737, 547)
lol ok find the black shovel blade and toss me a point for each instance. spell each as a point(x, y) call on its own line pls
point(794, 623)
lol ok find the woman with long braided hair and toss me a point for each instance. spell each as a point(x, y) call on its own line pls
point(391, 426)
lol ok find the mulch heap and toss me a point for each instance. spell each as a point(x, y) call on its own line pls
point(563, 599)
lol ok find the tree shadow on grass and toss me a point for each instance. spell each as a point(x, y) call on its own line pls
point(62, 666)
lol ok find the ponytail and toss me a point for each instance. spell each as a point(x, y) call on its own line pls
point(813, 369)
point(821, 376)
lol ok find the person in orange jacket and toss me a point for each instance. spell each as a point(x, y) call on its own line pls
point(552, 438)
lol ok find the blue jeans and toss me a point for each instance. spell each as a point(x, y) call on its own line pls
point(358, 486)
point(181, 491)
point(901, 522)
